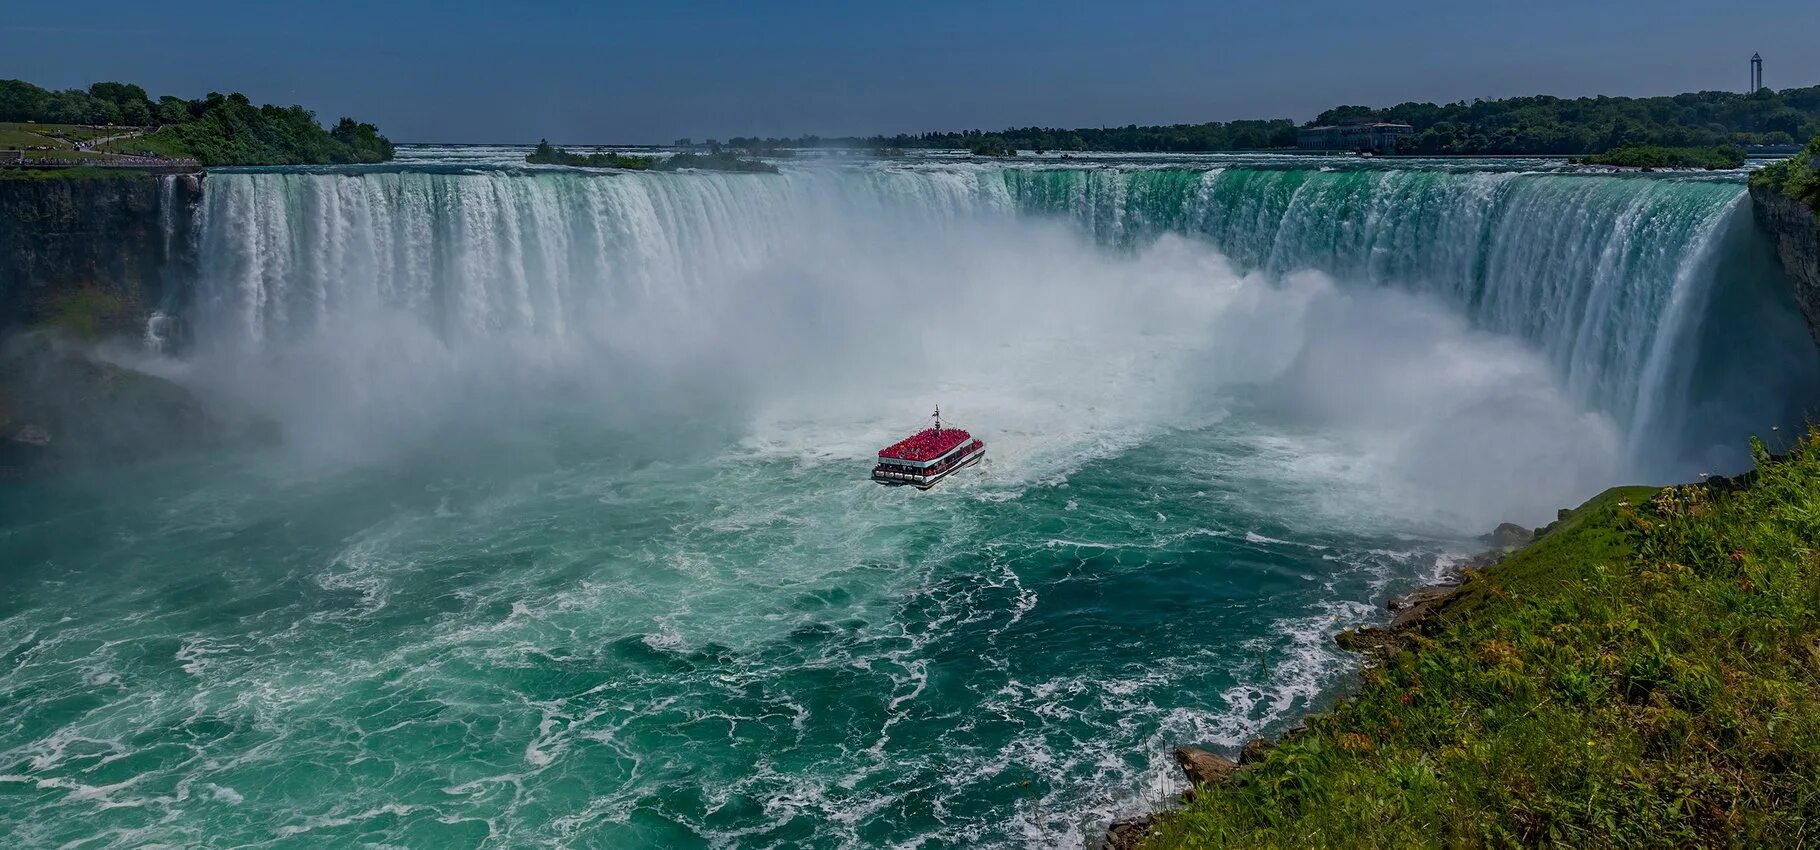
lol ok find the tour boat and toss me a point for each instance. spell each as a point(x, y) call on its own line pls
point(928, 456)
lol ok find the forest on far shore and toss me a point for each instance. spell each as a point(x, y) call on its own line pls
point(1538, 125)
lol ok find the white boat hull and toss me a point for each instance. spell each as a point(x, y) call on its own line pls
point(922, 481)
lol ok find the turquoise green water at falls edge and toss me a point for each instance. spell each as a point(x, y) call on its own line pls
point(569, 540)
point(745, 650)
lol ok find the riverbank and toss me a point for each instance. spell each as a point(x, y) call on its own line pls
point(1645, 673)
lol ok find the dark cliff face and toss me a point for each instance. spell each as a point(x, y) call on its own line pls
point(83, 264)
point(96, 256)
point(1797, 233)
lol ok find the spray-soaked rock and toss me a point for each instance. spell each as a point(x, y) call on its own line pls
point(62, 405)
point(1508, 535)
point(1129, 833)
point(1205, 768)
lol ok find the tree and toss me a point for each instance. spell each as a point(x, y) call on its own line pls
point(172, 110)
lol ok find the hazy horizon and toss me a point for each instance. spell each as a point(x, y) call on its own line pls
point(461, 73)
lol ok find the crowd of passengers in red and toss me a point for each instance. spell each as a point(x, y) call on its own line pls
point(929, 443)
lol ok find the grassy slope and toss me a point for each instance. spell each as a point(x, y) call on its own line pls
point(61, 135)
point(1648, 674)
point(77, 172)
point(164, 142)
point(61, 138)
point(18, 136)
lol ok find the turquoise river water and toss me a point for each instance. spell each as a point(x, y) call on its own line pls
point(568, 540)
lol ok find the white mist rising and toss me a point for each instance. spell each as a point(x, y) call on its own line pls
point(817, 319)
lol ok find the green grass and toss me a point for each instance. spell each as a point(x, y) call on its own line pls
point(75, 172)
point(1645, 675)
point(163, 143)
point(79, 132)
point(16, 136)
point(15, 133)
point(87, 312)
point(1798, 176)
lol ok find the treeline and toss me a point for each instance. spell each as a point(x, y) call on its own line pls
point(215, 130)
point(1656, 156)
point(1798, 176)
point(1541, 125)
point(1175, 138)
point(1554, 125)
point(103, 103)
point(548, 154)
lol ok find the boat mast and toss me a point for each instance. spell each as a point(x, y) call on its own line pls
point(938, 419)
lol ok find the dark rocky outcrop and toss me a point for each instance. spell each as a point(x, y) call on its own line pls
point(1417, 606)
point(1205, 768)
point(1508, 535)
point(1254, 751)
point(1796, 229)
point(1411, 611)
point(62, 405)
point(1128, 834)
point(84, 264)
point(94, 255)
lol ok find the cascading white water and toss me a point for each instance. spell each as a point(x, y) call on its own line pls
point(1602, 274)
point(568, 540)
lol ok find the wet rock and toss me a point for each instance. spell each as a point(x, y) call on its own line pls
point(92, 254)
point(1129, 833)
point(1367, 641)
point(1795, 226)
point(1508, 535)
point(1205, 768)
point(1254, 751)
point(62, 405)
point(1483, 560)
point(1420, 603)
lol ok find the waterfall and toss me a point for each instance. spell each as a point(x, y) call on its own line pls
point(1610, 277)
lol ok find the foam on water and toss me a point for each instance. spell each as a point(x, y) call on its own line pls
point(569, 541)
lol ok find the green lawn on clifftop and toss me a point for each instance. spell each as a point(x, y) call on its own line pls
point(1646, 674)
point(1797, 177)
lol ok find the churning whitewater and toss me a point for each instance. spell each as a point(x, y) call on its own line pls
point(569, 541)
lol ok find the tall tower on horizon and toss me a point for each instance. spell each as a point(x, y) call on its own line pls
point(1756, 73)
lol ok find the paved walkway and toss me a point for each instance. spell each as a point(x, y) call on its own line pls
point(95, 143)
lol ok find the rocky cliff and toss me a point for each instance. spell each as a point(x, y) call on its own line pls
point(94, 255)
point(1796, 229)
point(84, 263)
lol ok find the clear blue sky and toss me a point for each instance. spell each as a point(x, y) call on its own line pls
point(655, 70)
